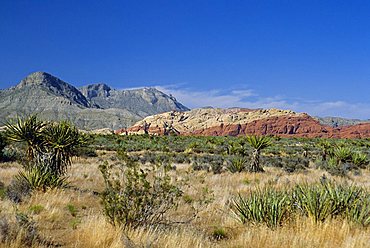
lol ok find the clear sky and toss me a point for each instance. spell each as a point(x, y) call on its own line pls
point(310, 56)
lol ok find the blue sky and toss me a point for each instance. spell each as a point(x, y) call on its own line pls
point(310, 56)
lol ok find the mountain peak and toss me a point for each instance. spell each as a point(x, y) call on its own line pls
point(54, 86)
point(36, 78)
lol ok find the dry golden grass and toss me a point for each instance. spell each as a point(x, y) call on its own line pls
point(87, 226)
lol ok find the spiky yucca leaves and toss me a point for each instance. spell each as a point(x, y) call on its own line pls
point(258, 143)
point(326, 148)
point(27, 130)
point(267, 206)
point(237, 164)
point(322, 201)
point(49, 150)
point(343, 154)
point(360, 160)
point(359, 213)
point(41, 179)
point(60, 141)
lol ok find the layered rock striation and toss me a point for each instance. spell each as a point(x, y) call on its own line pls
point(237, 121)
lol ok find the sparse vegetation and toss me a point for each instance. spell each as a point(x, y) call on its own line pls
point(126, 191)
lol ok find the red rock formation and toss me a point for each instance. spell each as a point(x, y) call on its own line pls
point(283, 126)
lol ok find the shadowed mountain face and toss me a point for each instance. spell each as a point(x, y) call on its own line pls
point(143, 102)
point(97, 106)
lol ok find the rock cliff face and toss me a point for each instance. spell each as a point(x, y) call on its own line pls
point(143, 102)
point(339, 122)
point(234, 122)
point(97, 106)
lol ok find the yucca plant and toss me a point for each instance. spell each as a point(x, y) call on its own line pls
point(258, 143)
point(342, 196)
point(49, 150)
point(313, 201)
point(237, 164)
point(41, 179)
point(322, 201)
point(359, 212)
point(60, 141)
point(267, 206)
point(360, 160)
point(326, 148)
point(26, 130)
point(343, 154)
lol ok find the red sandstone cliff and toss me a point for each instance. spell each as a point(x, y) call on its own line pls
point(234, 122)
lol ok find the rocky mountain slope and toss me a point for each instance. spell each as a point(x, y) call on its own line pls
point(339, 122)
point(237, 121)
point(143, 102)
point(96, 107)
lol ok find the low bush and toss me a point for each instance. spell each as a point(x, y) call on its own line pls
point(334, 168)
point(18, 190)
point(219, 234)
point(293, 164)
point(3, 143)
point(132, 198)
point(85, 152)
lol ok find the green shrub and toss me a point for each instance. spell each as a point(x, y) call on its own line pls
point(219, 234)
point(3, 143)
point(18, 190)
point(72, 210)
point(132, 199)
point(11, 153)
point(334, 168)
point(85, 152)
point(293, 164)
point(2, 190)
point(36, 209)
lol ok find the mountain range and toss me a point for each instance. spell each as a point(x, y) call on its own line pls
point(148, 110)
point(91, 107)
